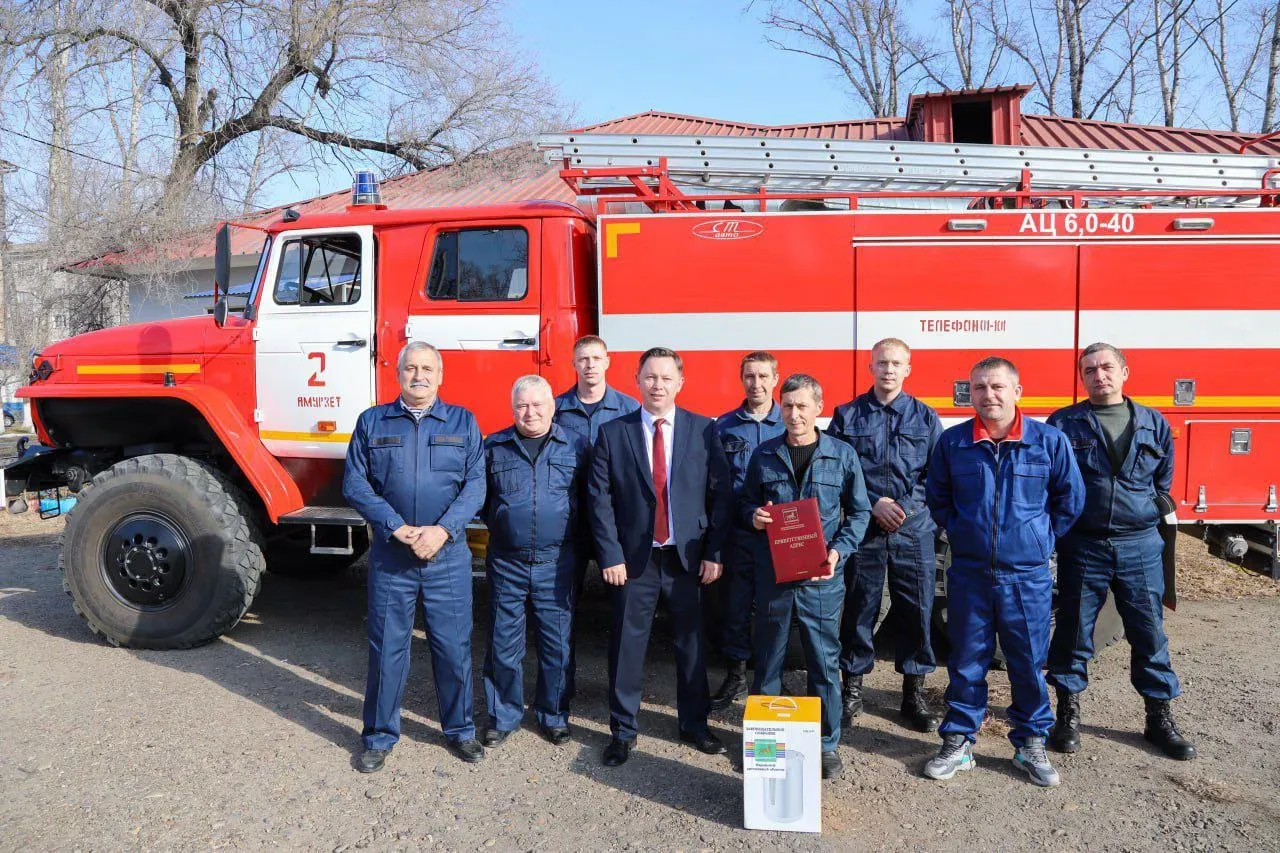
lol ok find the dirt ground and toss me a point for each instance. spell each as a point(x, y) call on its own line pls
point(248, 743)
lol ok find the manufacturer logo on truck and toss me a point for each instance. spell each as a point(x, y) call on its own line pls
point(728, 229)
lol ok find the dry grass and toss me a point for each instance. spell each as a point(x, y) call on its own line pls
point(1202, 577)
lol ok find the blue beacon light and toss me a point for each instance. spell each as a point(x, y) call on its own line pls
point(365, 189)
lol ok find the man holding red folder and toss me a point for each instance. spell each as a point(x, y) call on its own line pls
point(803, 464)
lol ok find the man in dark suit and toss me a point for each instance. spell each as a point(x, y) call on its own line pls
point(660, 504)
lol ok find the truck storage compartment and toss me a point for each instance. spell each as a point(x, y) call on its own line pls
point(1235, 463)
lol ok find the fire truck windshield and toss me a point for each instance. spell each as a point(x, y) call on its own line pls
point(247, 311)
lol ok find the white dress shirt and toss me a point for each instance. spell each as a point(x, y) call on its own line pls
point(668, 437)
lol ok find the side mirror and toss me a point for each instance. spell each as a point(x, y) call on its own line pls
point(222, 262)
point(220, 313)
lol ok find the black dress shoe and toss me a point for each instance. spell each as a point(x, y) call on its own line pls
point(703, 742)
point(617, 752)
point(371, 760)
point(495, 737)
point(469, 751)
point(555, 734)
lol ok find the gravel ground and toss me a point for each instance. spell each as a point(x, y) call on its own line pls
point(248, 742)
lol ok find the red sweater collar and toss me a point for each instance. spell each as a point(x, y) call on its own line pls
point(1015, 432)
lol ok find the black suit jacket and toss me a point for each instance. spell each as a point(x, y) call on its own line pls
point(622, 500)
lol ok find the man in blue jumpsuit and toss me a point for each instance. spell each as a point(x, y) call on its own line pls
point(582, 410)
point(893, 433)
point(801, 464)
point(1125, 453)
point(535, 473)
point(415, 473)
point(741, 432)
point(1003, 487)
point(591, 402)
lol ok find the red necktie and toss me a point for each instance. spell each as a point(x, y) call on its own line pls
point(661, 528)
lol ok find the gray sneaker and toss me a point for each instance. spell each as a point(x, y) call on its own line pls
point(1034, 761)
point(955, 756)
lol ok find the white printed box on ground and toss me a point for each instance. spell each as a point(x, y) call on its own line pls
point(782, 763)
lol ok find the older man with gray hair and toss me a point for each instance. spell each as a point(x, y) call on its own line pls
point(535, 481)
point(415, 473)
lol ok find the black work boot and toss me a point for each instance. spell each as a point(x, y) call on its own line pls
point(1163, 732)
point(851, 697)
point(915, 710)
point(733, 688)
point(1066, 732)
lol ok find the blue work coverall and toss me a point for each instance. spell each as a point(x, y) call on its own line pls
point(532, 512)
point(741, 434)
point(834, 477)
point(1115, 545)
point(1002, 505)
point(421, 473)
point(572, 415)
point(893, 444)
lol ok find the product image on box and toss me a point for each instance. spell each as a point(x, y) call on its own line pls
point(781, 763)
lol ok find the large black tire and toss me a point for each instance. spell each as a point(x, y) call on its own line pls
point(9, 420)
point(160, 552)
point(289, 554)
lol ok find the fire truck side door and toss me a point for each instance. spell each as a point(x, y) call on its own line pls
point(477, 300)
point(314, 337)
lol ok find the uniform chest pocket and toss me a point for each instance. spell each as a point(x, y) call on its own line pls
point(506, 476)
point(1030, 483)
point(448, 452)
point(827, 486)
point(734, 446)
point(777, 487)
point(560, 474)
point(866, 442)
point(1147, 456)
point(913, 447)
point(386, 455)
point(1086, 451)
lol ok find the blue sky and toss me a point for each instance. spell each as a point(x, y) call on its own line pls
point(703, 57)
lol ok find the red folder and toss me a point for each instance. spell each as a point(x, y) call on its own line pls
point(796, 543)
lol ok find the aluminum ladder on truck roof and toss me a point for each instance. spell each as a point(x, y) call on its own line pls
point(717, 164)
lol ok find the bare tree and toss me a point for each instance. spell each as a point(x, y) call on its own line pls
point(1065, 42)
point(867, 41)
point(1168, 20)
point(1271, 100)
point(422, 82)
point(1235, 52)
point(973, 29)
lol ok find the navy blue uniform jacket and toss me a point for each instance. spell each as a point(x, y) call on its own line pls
point(622, 498)
point(426, 473)
point(1123, 502)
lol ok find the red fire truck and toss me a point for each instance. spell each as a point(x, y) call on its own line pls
point(205, 450)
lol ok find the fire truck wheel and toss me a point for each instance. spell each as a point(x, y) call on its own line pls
point(289, 554)
point(160, 553)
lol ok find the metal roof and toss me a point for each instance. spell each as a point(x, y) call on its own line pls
point(518, 174)
point(1061, 132)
